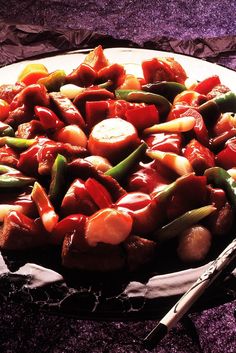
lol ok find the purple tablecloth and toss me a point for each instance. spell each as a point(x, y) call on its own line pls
point(31, 28)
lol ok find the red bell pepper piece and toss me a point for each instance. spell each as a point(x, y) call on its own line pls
point(227, 157)
point(99, 193)
point(134, 200)
point(143, 117)
point(119, 107)
point(206, 85)
point(91, 94)
point(114, 73)
point(165, 142)
point(28, 161)
point(199, 156)
point(157, 70)
point(149, 177)
point(144, 211)
point(84, 75)
point(74, 226)
point(95, 112)
point(46, 210)
point(48, 118)
point(96, 58)
point(78, 200)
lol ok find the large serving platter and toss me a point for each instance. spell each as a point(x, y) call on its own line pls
point(39, 278)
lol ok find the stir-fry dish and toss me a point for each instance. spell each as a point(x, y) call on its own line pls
point(108, 166)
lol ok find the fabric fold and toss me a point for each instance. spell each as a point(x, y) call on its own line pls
point(20, 42)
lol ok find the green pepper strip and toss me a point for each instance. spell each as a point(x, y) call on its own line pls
point(221, 178)
point(16, 142)
point(54, 81)
point(163, 105)
point(122, 168)
point(222, 104)
point(12, 178)
point(57, 179)
point(178, 225)
point(226, 102)
point(123, 93)
point(169, 90)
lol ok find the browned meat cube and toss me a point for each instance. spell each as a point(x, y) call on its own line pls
point(102, 258)
point(139, 251)
point(66, 109)
point(20, 232)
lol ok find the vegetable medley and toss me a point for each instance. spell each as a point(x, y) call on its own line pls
point(109, 166)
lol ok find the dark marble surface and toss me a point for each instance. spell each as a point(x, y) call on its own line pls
point(204, 29)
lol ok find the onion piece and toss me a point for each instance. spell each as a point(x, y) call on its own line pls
point(183, 124)
point(70, 90)
point(179, 164)
point(180, 224)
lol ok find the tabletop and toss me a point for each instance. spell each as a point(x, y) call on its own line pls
point(204, 29)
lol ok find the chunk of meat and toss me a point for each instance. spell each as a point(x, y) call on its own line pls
point(20, 232)
point(9, 91)
point(66, 110)
point(102, 258)
point(139, 251)
point(81, 168)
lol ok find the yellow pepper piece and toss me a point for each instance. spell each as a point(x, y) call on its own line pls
point(32, 73)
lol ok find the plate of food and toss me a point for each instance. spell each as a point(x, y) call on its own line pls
point(118, 177)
